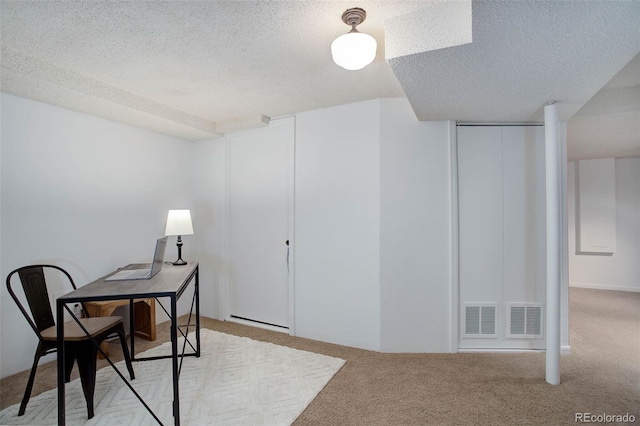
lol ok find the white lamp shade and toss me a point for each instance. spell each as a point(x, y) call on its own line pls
point(179, 223)
point(354, 50)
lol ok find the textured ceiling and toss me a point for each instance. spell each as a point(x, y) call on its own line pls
point(198, 69)
point(608, 125)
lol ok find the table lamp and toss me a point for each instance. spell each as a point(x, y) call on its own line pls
point(179, 223)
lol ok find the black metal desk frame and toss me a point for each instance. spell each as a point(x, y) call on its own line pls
point(171, 282)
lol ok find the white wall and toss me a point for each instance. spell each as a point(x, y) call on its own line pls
point(595, 193)
point(337, 225)
point(208, 169)
point(415, 241)
point(84, 193)
point(372, 220)
point(621, 270)
point(372, 215)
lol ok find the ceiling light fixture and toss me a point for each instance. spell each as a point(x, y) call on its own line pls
point(354, 50)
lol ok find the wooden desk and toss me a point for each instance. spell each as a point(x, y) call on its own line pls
point(171, 282)
point(144, 316)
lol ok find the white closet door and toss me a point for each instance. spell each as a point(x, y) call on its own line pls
point(480, 230)
point(524, 233)
point(258, 189)
point(501, 236)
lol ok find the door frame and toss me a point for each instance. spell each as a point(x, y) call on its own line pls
point(223, 226)
point(454, 342)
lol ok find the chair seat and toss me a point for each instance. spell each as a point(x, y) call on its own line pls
point(73, 332)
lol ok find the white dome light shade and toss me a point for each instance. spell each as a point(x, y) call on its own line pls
point(354, 50)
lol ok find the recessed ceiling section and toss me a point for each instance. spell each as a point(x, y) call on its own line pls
point(193, 63)
point(611, 135)
point(24, 86)
point(523, 54)
point(243, 123)
point(438, 25)
point(199, 69)
point(608, 125)
point(25, 73)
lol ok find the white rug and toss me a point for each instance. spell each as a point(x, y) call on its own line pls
point(236, 381)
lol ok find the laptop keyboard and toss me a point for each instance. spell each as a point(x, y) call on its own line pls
point(140, 273)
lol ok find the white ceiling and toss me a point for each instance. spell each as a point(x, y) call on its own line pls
point(608, 125)
point(198, 69)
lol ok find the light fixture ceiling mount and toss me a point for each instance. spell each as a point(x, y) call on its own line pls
point(354, 50)
point(354, 16)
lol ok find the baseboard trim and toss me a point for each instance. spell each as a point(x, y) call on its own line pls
point(604, 287)
point(497, 350)
point(564, 350)
point(258, 325)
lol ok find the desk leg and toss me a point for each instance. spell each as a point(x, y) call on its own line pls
point(174, 360)
point(61, 355)
point(197, 290)
point(132, 333)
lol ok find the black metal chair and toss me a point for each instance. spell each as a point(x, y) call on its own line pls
point(78, 345)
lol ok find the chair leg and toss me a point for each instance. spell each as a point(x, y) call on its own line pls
point(125, 351)
point(32, 376)
point(70, 357)
point(86, 356)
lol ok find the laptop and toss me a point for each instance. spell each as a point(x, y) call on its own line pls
point(144, 273)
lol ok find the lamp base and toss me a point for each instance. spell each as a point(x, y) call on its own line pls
point(179, 262)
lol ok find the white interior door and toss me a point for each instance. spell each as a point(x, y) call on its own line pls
point(259, 181)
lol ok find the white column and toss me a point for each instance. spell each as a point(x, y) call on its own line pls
point(551, 144)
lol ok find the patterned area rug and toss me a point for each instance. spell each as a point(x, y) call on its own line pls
point(236, 381)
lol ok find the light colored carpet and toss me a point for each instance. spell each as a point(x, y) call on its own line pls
point(602, 375)
point(236, 380)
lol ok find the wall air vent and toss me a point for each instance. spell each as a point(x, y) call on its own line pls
point(479, 320)
point(525, 320)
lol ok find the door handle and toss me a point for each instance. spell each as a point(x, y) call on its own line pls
point(287, 243)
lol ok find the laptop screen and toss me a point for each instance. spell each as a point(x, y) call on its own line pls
point(158, 256)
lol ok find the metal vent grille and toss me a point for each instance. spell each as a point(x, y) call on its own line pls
point(525, 320)
point(480, 320)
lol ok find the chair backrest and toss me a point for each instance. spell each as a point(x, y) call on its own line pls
point(34, 286)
